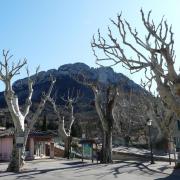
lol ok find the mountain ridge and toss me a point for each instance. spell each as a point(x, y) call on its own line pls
point(84, 111)
point(64, 75)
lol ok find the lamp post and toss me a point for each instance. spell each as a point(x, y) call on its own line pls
point(149, 124)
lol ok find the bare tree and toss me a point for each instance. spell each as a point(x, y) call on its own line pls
point(7, 72)
point(64, 132)
point(104, 95)
point(155, 54)
point(104, 103)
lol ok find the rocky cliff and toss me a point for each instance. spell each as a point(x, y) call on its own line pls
point(84, 109)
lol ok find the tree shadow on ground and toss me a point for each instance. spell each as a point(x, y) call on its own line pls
point(28, 174)
point(74, 163)
point(116, 169)
point(135, 168)
point(175, 175)
point(138, 168)
point(146, 170)
point(127, 167)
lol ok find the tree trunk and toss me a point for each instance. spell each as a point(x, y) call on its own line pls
point(26, 134)
point(66, 151)
point(106, 156)
point(16, 161)
point(67, 147)
point(177, 158)
point(18, 153)
point(14, 165)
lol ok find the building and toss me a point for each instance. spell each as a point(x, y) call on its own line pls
point(39, 144)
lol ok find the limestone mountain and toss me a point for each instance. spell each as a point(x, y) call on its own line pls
point(85, 113)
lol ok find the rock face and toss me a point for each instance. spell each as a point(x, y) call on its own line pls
point(64, 82)
point(84, 109)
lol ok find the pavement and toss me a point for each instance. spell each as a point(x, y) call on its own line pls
point(129, 164)
point(136, 153)
point(59, 168)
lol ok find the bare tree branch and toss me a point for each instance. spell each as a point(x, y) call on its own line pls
point(155, 53)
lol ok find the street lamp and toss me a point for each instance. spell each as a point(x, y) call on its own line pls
point(149, 124)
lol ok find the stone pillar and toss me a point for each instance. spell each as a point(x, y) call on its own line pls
point(52, 150)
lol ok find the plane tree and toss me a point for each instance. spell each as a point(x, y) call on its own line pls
point(65, 128)
point(105, 94)
point(154, 54)
point(19, 114)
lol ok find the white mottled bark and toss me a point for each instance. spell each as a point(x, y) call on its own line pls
point(154, 53)
point(158, 62)
point(65, 133)
point(18, 116)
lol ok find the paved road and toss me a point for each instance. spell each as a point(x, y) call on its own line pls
point(56, 169)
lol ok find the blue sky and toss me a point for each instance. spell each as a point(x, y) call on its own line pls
point(51, 33)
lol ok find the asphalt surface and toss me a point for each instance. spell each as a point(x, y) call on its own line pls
point(53, 169)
